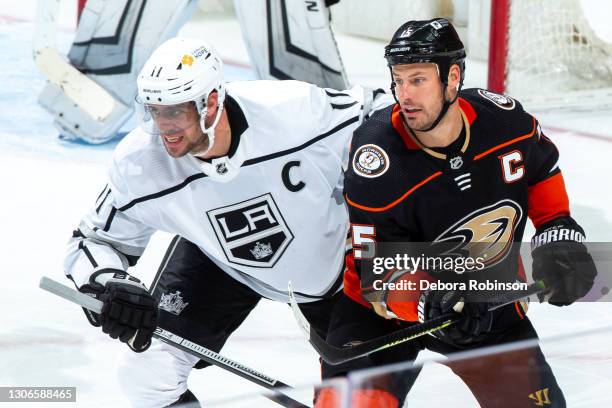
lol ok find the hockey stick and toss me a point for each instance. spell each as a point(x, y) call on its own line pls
point(82, 90)
point(337, 355)
point(185, 345)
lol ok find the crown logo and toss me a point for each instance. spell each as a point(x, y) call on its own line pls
point(173, 303)
point(261, 250)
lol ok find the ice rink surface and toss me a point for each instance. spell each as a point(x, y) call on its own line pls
point(49, 184)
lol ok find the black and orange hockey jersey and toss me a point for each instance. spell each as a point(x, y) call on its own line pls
point(500, 171)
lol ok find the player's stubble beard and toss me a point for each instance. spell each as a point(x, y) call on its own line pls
point(195, 141)
point(430, 116)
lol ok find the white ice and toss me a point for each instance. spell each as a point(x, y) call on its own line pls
point(48, 185)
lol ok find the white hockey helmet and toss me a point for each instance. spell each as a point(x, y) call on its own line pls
point(182, 70)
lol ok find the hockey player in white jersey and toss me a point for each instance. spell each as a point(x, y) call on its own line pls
point(248, 175)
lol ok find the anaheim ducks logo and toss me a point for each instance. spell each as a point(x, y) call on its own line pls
point(487, 232)
point(370, 161)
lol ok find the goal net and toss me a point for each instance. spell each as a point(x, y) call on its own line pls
point(547, 53)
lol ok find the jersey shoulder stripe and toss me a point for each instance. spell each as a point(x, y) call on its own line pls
point(246, 163)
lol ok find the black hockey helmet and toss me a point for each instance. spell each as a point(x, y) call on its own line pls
point(434, 41)
point(428, 41)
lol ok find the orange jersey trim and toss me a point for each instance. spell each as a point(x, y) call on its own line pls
point(548, 200)
point(396, 202)
point(508, 143)
point(352, 284)
point(398, 124)
point(517, 306)
point(468, 110)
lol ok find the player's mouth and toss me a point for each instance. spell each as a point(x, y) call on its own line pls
point(172, 140)
point(411, 113)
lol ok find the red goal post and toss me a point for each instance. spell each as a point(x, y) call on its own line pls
point(80, 7)
point(551, 54)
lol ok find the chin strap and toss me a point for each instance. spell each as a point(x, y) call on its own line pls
point(210, 131)
point(445, 107)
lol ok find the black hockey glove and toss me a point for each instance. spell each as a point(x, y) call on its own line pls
point(562, 261)
point(129, 312)
point(471, 329)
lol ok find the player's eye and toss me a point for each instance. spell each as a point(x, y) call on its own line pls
point(174, 112)
point(417, 81)
point(153, 112)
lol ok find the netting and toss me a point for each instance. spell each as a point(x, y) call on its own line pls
point(555, 57)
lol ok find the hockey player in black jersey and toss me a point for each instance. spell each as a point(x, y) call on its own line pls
point(466, 167)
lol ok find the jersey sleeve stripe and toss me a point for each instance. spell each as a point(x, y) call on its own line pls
point(109, 220)
point(396, 202)
point(88, 254)
point(102, 202)
point(343, 105)
point(102, 192)
point(508, 143)
point(163, 192)
point(248, 162)
point(302, 146)
point(335, 94)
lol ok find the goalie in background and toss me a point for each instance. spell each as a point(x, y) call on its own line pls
point(91, 96)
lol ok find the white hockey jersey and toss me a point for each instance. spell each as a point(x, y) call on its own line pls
point(270, 212)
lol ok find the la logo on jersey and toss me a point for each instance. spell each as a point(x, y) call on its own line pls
point(252, 232)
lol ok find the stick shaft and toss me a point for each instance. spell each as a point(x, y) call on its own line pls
point(183, 344)
point(338, 355)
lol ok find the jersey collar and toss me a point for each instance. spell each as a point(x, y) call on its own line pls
point(225, 168)
point(468, 115)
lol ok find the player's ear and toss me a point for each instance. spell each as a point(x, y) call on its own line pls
point(213, 100)
point(454, 77)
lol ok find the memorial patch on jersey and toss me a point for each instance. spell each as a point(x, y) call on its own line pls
point(487, 232)
point(503, 101)
point(252, 232)
point(370, 161)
